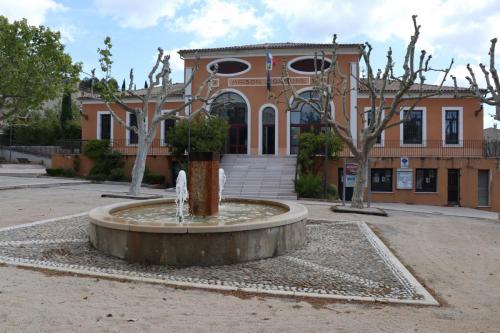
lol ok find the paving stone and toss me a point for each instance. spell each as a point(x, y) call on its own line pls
point(338, 259)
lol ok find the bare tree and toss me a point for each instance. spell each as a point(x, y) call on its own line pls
point(490, 95)
point(330, 86)
point(159, 88)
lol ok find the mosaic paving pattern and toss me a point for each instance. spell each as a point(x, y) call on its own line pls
point(340, 259)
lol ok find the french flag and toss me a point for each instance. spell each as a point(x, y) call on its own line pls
point(269, 68)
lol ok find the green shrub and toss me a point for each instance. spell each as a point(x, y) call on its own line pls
point(206, 135)
point(96, 149)
point(311, 144)
point(116, 174)
point(332, 192)
point(68, 173)
point(153, 178)
point(54, 172)
point(59, 172)
point(107, 163)
point(309, 186)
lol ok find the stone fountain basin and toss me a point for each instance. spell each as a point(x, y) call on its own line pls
point(199, 244)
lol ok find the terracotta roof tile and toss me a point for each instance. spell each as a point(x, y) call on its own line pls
point(271, 46)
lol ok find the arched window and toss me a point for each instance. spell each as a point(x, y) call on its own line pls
point(303, 118)
point(268, 130)
point(233, 108)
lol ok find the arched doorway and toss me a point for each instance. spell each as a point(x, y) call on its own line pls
point(303, 118)
point(268, 132)
point(234, 109)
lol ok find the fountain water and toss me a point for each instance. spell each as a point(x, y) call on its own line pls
point(222, 182)
point(181, 196)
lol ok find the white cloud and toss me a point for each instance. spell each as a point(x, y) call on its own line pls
point(139, 14)
point(69, 32)
point(461, 72)
point(217, 19)
point(460, 28)
point(34, 11)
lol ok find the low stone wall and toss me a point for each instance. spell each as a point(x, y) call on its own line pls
point(12, 156)
point(183, 245)
point(155, 164)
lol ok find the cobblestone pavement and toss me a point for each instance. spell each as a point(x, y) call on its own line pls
point(340, 259)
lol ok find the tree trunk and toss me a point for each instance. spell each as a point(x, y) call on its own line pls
point(139, 166)
point(359, 184)
point(140, 157)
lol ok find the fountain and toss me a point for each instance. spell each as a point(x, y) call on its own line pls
point(165, 231)
point(181, 195)
point(222, 182)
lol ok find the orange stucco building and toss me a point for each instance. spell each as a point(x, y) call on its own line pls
point(438, 158)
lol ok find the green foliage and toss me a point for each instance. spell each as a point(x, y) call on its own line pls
point(106, 161)
point(332, 191)
point(66, 115)
point(116, 174)
point(206, 135)
point(33, 67)
point(311, 144)
point(44, 128)
point(58, 172)
point(309, 186)
point(95, 149)
point(153, 178)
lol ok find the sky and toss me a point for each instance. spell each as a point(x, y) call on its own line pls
point(458, 29)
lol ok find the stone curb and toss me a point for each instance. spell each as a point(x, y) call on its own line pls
point(42, 185)
point(220, 288)
point(365, 211)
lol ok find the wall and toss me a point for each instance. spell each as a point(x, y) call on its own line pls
point(258, 96)
point(468, 180)
point(12, 156)
point(155, 164)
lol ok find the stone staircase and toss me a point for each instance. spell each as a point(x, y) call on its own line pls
point(259, 176)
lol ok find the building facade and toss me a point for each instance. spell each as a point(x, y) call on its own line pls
point(438, 157)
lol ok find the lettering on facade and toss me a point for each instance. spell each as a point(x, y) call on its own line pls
point(262, 81)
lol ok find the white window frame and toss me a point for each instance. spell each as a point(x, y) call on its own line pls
point(229, 59)
point(424, 127)
point(289, 64)
point(276, 127)
point(98, 132)
point(382, 134)
point(127, 131)
point(162, 129)
point(460, 110)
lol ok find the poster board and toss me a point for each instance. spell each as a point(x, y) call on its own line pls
point(350, 175)
point(404, 179)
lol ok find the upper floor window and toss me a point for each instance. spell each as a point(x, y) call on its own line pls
point(133, 138)
point(229, 66)
point(368, 113)
point(452, 125)
point(167, 125)
point(308, 65)
point(104, 126)
point(413, 129)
